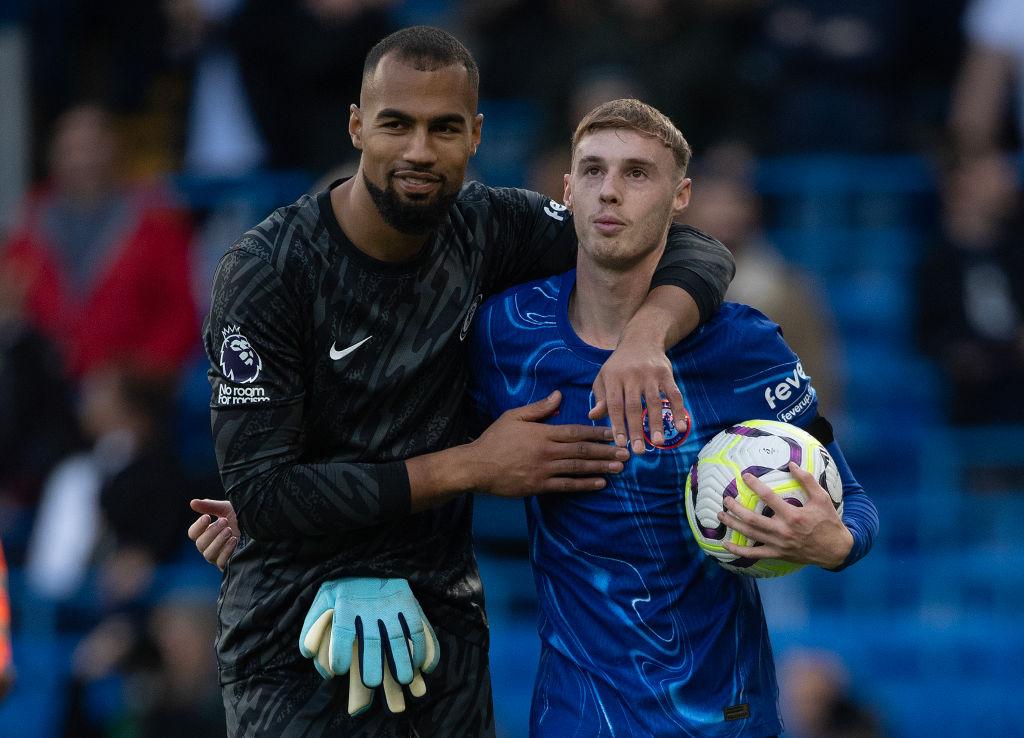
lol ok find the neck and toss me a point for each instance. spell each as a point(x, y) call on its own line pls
point(362, 223)
point(605, 299)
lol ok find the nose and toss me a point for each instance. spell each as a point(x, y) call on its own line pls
point(420, 150)
point(609, 190)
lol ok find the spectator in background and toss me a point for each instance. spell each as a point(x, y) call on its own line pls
point(107, 520)
point(111, 51)
point(221, 137)
point(104, 265)
point(297, 61)
point(182, 695)
point(689, 57)
point(37, 423)
point(832, 71)
point(91, 509)
point(726, 204)
point(971, 289)
point(991, 79)
point(593, 86)
point(817, 700)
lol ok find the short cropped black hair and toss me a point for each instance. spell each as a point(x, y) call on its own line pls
point(425, 48)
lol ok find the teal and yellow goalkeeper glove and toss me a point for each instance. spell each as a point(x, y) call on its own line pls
point(375, 629)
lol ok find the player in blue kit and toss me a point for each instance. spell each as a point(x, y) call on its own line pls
point(641, 633)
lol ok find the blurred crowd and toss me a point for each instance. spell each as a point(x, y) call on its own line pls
point(105, 269)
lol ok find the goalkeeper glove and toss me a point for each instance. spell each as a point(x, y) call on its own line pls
point(375, 630)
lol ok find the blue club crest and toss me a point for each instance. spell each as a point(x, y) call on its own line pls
point(673, 437)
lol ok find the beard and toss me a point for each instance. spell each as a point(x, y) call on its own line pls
point(411, 218)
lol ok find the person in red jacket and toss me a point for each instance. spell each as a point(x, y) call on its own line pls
point(104, 267)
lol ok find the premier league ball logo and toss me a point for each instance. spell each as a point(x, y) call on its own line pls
point(239, 362)
point(673, 438)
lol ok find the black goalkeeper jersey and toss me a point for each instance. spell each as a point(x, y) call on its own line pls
point(328, 368)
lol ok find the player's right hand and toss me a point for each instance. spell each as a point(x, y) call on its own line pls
point(215, 532)
point(375, 631)
point(520, 455)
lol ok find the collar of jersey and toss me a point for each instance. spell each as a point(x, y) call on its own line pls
point(333, 227)
point(566, 284)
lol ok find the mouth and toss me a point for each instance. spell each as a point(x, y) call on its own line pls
point(413, 182)
point(608, 225)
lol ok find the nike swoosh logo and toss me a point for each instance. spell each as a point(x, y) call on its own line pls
point(335, 354)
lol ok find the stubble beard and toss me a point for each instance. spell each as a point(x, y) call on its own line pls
point(411, 218)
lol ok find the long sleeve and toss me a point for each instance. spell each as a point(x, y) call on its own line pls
point(254, 342)
point(859, 512)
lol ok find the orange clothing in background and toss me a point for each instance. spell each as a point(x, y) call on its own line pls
point(5, 622)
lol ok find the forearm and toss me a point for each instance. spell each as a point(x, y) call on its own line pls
point(697, 264)
point(437, 477)
point(859, 513)
point(666, 317)
point(861, 519)
point(300, 500)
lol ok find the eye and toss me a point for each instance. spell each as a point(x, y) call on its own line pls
point(592, 170)
point(450, 128)
point(393, 125)
point(636, 173)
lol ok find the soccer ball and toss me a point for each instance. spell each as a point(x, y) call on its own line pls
point(763, 448)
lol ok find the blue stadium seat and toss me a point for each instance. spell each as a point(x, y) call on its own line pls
point(510, 131)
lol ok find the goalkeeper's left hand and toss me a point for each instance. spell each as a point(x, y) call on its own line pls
point(375, 630)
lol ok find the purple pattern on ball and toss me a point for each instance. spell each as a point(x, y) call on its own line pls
point(757, 471)
point(796, 452)
point(730, 490)
point(744, 430)
point(714, 534)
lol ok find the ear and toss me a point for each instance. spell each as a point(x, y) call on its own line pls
point(567, 194)
point(355, 126)
point(681, 198)
point(478, 124)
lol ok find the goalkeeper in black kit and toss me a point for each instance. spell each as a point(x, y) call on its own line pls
point(336, 339)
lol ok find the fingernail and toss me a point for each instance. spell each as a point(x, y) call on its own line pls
point(608, 434)
point(657, 439)
point(621, 440)
point(638, 447)
point(615, 466)
point(622, 454)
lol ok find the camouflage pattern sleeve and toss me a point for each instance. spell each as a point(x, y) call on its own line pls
point(254, 339)
point(697, 263)
point(535, 237)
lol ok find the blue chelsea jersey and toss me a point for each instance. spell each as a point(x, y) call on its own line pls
point(641, 633)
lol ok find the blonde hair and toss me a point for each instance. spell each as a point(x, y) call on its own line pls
point(636, 116)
